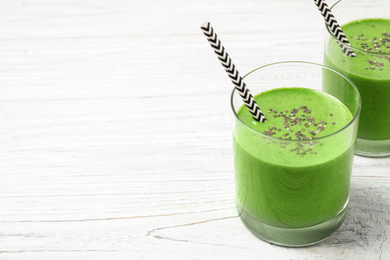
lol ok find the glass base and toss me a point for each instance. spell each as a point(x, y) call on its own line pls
point(372, 148)
point(293, 237)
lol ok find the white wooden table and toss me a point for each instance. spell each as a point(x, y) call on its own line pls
point(115, 138)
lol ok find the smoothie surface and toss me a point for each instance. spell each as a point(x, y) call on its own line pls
point(373, 37)
point(298, 114)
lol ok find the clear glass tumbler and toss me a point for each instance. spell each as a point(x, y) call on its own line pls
point(294, 191)
point(366, 25)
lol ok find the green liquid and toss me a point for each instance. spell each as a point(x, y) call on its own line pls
point(281, 185)
point(369, 72)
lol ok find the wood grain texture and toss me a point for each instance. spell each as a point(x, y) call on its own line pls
point(115, 138)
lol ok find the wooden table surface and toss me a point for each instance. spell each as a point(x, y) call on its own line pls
point(115, 134)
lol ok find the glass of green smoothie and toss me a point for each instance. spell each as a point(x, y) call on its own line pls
point(366, 25)
point(293, 171)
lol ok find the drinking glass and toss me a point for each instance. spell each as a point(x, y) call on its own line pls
point(294, 192)
point(369, 70)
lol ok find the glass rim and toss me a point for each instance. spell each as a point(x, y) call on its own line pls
point(354, 118)
point(351, 47)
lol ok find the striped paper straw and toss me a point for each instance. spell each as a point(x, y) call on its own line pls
point(232, 72)
point(334, 27)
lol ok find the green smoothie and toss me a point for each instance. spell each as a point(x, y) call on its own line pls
point(369, 70)
point(297, 172)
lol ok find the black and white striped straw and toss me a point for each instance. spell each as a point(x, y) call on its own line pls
point(334, 27)
point(232, 72)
